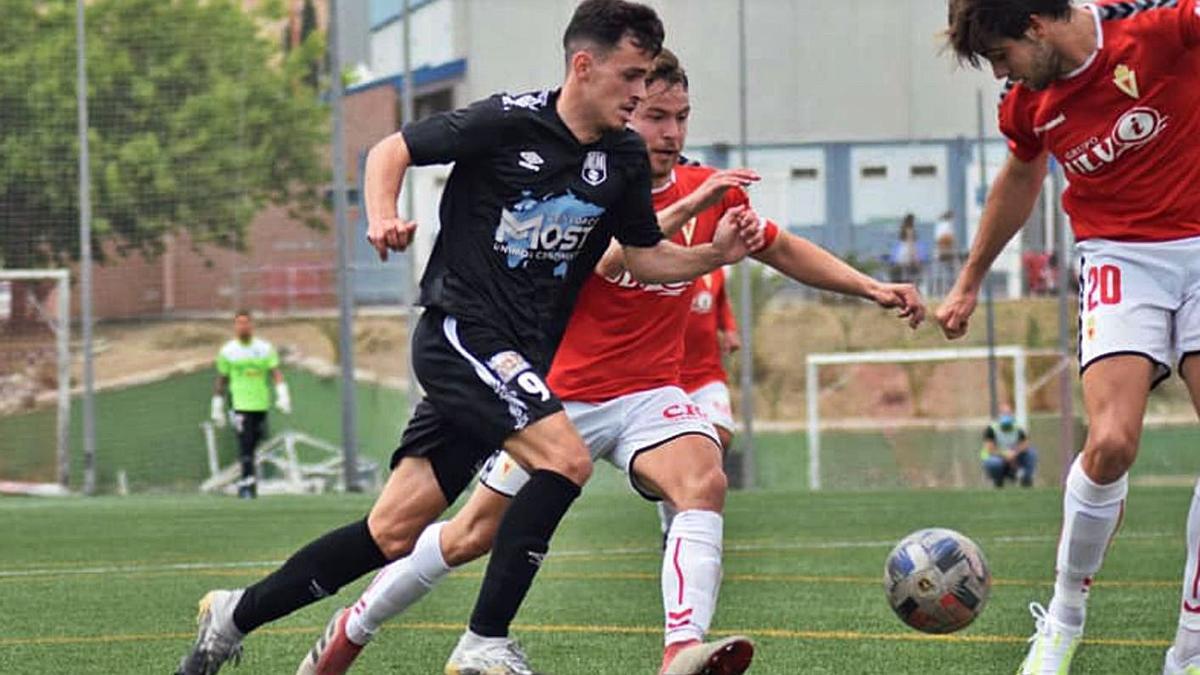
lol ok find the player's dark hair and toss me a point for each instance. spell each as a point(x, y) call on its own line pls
point(667, 69)
point(976, 25)
point(601, 24)
point(242, 312)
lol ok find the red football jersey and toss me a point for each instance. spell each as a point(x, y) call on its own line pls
point(1125, 126)
point(701, 351)
point(625, 336)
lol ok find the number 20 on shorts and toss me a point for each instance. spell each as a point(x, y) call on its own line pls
point(1103, 286)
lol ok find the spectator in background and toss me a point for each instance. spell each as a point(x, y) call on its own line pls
point(243, 365)
point(946, 261)
point(1050, 274)
point(906, 253)
point(943, 238)
point(1006, 452)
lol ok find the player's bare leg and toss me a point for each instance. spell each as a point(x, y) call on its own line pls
point(440, 549)
point(687, 472)
point(1184, 655)
point(666, 510)
point(1115, 390)
point(559, 464)
point(411, 500)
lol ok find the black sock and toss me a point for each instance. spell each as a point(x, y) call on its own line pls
point(313, 572)
point(521, 544)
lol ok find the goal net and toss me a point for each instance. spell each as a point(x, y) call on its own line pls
point(916, 418)
point(35, 381)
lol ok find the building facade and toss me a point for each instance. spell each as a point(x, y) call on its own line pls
point(855, 113)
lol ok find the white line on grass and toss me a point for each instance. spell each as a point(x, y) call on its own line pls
point(577, 553)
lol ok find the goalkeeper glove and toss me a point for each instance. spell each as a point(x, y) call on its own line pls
point(218, 410)
point(283, 398)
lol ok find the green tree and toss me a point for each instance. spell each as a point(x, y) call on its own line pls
point(196, 125)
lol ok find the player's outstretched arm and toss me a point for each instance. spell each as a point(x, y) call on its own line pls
point(813, 266)
point(674, 217)
point(668, 262)
point(386, 164)
point(1009, 204)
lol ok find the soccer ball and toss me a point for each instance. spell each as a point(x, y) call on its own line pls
point(937, 580)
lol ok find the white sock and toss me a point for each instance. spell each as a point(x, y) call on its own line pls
point(398, 586)
point(1091, 515)
point(1187, 637)
point(666, 513)
point(691, 574)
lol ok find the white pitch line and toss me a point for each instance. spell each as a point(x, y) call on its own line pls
point(579, 553)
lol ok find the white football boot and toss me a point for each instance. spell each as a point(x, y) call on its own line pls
point(1052, 645)
point(218, 640)
point(1173, 667)
point(475, 655)
point(730, 656)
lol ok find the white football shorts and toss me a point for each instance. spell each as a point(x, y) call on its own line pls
point(1139, 298)
point(713, 398)
point(616, 431)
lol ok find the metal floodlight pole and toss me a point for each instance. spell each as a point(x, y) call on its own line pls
point(1066, 398)
point(746, 295)
point(62, 336)
point(345, 246)
point(993, 395)
point(410, 284)
point(85, 256)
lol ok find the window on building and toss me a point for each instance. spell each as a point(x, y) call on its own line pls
point(427, 103)
point(874, 172)
point(923, 171)
point(353, 197)
point(804, 173)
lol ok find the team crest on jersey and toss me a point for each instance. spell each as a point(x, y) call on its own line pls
point(702, 302)
point(595, 167)
point(689, 231)
point(1126, 81)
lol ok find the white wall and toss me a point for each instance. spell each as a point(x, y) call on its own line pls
point(819, 70)
point(435, 40)
point(888, 198)
point(788, 199)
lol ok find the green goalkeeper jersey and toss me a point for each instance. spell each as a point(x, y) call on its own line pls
point(248, 366)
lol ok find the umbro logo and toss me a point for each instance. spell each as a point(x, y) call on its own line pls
point(531, 160)
point(536, 558)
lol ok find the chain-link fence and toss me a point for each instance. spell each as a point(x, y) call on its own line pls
point(211, 191)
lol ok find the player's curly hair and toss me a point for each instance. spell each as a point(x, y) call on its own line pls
point(667, 69)
point(601, 24)
point(976, 25)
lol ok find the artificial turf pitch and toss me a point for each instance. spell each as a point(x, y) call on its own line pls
point(109, 585)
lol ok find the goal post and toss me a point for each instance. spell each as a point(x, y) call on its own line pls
point(814, 362)
point(52, 310)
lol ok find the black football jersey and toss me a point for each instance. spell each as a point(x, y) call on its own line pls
point(527, 212)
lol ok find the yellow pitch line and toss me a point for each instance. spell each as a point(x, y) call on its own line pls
point(802, 635)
